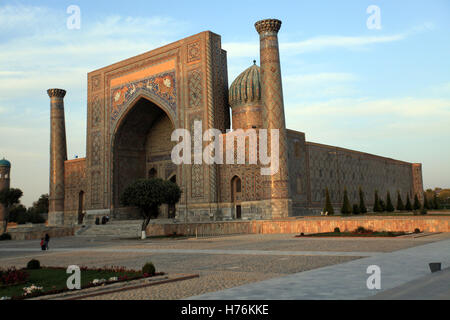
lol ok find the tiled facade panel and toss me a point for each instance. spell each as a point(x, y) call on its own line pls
point(337, 169)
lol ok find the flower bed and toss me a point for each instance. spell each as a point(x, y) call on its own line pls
point(11, 277)
point(52, 280)
point(359, 232)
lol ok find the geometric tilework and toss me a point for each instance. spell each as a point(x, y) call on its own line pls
point(195, 88)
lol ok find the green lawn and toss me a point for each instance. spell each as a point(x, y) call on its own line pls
point(55, 279)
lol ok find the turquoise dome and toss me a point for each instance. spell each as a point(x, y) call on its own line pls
point(5, 163)
point(247, 87)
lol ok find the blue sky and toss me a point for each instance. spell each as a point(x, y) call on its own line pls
point(383, 91)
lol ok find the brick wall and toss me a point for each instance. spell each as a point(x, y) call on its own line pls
point(306, 225)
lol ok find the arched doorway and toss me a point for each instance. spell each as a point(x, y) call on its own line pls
point(236, 192)
point(80, 207)
point(141, 146)
point(152, 173)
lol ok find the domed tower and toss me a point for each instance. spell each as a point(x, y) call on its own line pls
point(245, 99)
point(5, 169)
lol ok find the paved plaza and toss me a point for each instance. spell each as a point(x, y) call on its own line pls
point(247, 266)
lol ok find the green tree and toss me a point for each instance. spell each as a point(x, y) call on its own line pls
point(376, 204)
point(400, 205)
point(389, 205)
point(9, 198)
point(417, 204)
point(346, 206)
point(436, 205)
point(408, 206)
point(148, 195)
point(362, 205)
point(41, 205)
point(426, 205)
point(356, 209)
point(18, 212)
point(328, 206)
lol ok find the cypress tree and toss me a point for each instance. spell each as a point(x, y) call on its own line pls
point(417, 204)
point(328, 207)
point(377, 205)
point(346, 207)
point(389, 205)
point(425, 202)
point(400, 205)
point(356, 209)
point(436, 202)
point(362, 205)
point(408, 206)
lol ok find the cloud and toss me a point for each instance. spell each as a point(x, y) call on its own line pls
point(248, 49)
point(407, 107)
point(37, 52)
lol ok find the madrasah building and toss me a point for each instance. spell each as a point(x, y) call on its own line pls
point(135, 105)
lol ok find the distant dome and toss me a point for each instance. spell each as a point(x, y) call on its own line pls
point(5, 163)
point(247, 87)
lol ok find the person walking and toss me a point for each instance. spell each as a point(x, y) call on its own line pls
point(46, 241)
point(42, 244)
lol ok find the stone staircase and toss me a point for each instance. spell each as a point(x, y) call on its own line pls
point(117, 228)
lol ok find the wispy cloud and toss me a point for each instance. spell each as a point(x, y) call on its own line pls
point(247, 49)
point(400, 107)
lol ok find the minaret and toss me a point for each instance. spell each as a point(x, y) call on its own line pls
point(58, 154)
point(5, 178)
point(276, 186)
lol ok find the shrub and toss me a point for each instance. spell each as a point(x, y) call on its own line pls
point(362, 205)
point(426, 205)
point(149, 269)
point(346, 207)
point(362, 230)
point(328, 206)
point(423, 210)
point(408, 205)
point(389, 205)
point(33, 264)
point(376, 204)
point(416, 230)
point(356, 209)
point(337, 230)
point(417, 205)
point(400, 205)
point(12, 276)
point(5, 236)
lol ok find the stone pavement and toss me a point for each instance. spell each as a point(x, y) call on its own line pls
point(222, 263)
point(346, 280)
point(435, 286)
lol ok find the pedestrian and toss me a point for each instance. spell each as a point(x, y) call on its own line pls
point(47, 240)
point(42, 244)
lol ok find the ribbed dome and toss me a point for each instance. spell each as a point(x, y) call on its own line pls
point(246, 88)
point(5, 163)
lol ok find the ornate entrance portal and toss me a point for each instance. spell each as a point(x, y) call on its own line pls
point(142, 146)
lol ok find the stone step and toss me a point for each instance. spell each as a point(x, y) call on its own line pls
point(121, 229)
